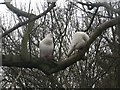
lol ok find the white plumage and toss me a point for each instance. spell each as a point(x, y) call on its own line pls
point(46, 46)
point(78, 41)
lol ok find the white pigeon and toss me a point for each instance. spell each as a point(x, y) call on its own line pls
point(78, 41)
point(46, 46)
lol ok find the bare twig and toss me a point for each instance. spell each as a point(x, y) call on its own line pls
point(30, 20)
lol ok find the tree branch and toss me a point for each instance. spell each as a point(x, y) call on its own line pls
point(92, 5)
point(18, 11)
point(30, 20)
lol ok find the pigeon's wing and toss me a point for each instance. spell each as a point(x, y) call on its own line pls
point(46, 46)
point(85, 37)
point(74, 42)
point(45, 50)
point(79, 39)
point(71, 50)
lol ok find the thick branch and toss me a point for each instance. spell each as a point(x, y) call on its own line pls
point(17, 61)
point(103, 27)
point(19, 12)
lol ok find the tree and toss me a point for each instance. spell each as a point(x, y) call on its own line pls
point(20, 59)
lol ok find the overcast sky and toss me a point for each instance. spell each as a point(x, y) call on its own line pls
point(3, 8)
point(5, 12)
point(61, 3)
